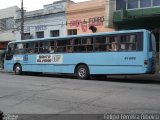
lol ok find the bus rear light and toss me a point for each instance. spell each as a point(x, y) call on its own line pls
point(145, 62)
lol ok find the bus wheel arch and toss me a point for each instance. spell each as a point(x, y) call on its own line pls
point(82, 71)
point(17, 69)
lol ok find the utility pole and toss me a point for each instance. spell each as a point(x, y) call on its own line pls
point(22, 21)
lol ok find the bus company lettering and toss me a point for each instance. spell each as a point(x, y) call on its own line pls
point(44, 59)
point(56, 59)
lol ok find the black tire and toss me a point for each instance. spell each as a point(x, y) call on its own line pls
point(82, 72)
point(17, 69)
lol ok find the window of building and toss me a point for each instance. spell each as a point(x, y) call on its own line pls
point(27, 36)
point(54, 33)
point(145, 3)
point(156, 2)
point(7, 23)
point(40, 34)
point(132, 4)
point(72, 32)
point(120, 4)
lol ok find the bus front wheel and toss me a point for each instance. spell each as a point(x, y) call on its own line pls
point(17, 69)
point(82, 72)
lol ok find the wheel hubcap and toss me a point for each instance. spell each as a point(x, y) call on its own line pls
point(82, 72)
point(17, 69)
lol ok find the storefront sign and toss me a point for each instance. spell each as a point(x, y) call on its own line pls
point(48, 59)
point(36, 28)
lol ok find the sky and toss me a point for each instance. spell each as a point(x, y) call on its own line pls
point(29, 5)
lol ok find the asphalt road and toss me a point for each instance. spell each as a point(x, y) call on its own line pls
point(48, 94)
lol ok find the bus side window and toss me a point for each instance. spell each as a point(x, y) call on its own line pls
point(19, 48)
point(124, 42)
point(132, 43)
point(40, 47)
point(112, 43)
point(130, 47)
point(114, 46)
point(128, 42)
point(51, 50)
point(44, 47)
point(77, 41)
point(69, 49)
point(61, 46)
point(77, 45)
point(100, 43)
point(69, 45)
point(36, 47)
point(51, 47)
point(88, 44)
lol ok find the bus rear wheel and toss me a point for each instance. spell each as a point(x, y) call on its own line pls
point(17, 69)
point(82, 72)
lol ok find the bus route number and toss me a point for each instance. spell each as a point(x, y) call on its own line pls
point(130, 58)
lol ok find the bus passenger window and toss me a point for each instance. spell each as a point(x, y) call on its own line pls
point(77, 41)
point(89, 41)
point(90, 48)
point(108, 47)
point(69, 42)
point(51, 49)
point(31, 51)
point(132, 38)
point(111, 43)
point(114, 46)
point(130, 47)
point(100, 40)
point(123, 46)
point(69, 49)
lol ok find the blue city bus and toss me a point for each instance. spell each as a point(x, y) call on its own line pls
point(119, 52)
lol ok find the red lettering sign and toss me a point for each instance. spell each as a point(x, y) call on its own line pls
point(96, 21)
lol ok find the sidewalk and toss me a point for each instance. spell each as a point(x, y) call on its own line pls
point(2, 70)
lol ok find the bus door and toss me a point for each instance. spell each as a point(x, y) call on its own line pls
point(9, 52)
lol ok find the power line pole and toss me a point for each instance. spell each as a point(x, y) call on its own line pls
point(22, 21)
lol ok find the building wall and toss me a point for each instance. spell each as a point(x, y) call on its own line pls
point(7, 24)
point(82, 15)
point(51, 17)
point(8, 12)
point(109, 9)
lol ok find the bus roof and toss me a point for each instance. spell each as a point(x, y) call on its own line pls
point(81, 35)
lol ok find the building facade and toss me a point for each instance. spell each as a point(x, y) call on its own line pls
point(87, 17)
point(47, 22)
point(7, 25)
point(137, 14)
